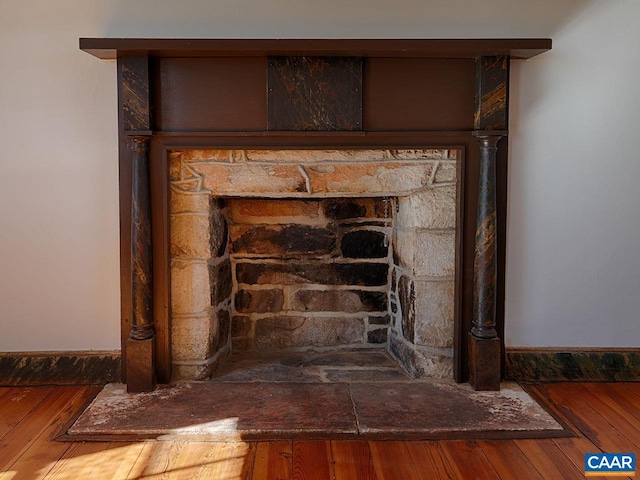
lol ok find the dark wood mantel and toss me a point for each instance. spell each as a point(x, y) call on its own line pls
point(518, 48)
point(399, 93)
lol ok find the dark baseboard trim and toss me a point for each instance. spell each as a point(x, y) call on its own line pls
point(59, 368)
point(572, 364)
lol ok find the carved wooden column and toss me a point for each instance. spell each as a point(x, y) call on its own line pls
point(490, 124)
point(139, 364)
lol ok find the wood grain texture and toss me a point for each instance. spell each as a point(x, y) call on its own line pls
point(468, 460)
point(135, 92)
point(392, 460)
point(311, 460)
point(508, 460)
point(430, 460)
point(273, 460)
point(352, 461)
point(492, 93)
point(314, 93)
point(59, 368)
point(28, 451)
point(109, 48)
point(531, 365)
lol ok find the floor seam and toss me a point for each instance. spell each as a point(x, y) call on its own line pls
point(353, 407)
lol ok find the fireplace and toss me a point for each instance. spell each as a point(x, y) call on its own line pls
point(277, 250)
point(270, 186)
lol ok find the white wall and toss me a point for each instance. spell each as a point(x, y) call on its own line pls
point(573, 270)
point(573, 229)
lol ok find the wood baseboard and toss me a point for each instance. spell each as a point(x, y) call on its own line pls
point(572, 364)
point(59, 368)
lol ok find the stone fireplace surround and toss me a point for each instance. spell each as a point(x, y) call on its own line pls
point(179, 95)
point(361, 256)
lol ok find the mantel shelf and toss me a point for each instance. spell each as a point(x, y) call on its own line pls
point(516, 48)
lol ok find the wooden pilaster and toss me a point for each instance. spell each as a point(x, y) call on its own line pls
point(135, 126)
point(490, 123)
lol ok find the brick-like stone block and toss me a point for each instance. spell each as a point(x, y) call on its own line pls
point(348, 301)
point(446, 173)
point(194, 372)
point(391, 178)
point(219, 235)
point(189, 202)
point(433, 208)
point(418, 363)
point(364, 244)
point(190, 236)
point(351, 208)
point(435, 254)
point(406, 292)
point(259, 211)
point(404, 248)
point(241, 326)
point(292, 273)
point(224, 328)
point(259, 301)
point(380, 320)
point(193, 338)
point(293, 332)
point(434, 313)
point(378, 335)
point(221, 281)
point(279, 240)
point(190, 287)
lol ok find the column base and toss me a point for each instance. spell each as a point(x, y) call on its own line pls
point(140, 365)
point(484, 363)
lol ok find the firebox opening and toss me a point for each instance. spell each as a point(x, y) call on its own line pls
point(256, 271)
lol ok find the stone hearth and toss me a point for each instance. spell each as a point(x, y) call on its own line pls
point(312, 249)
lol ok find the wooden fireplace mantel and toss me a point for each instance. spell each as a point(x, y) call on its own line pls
point(518, 48)
point(400, 93)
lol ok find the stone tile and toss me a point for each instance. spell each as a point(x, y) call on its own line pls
point(446, 173)
point(219, 229)
point(430, 407)
point(255, 211)
point(378, 335)
point(241, 326)
point(279, 240)
point(433, 208)
point(240, 410)
point(221, 281)
point(193, 338)
point(364, 244)
point(434, 313)
point(190, 236)
point(348, 301)
point(293, 273)
point(352, 208)
point(259, 301)
point(344, 358)
point(190, 288)
point(435, 254)
point(189, 202)
point(388, 178)
point(406, 293)
point(404, 246)
point(292, 332)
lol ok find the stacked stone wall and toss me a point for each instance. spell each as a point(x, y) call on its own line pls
point(274, 249)
point(310, 273)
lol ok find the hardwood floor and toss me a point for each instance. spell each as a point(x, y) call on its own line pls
point(605, 416)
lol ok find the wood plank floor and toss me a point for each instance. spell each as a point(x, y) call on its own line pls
point(605, 416)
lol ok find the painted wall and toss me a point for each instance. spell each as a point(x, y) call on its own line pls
point(573, 225)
